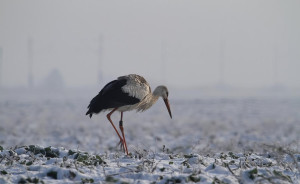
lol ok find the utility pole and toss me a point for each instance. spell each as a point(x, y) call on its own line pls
point(30, 62)
point(275, 66)
point(1, 61)
point(100, 59)
point(163, 57)
point(221, 62)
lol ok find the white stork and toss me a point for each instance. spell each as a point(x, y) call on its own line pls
point(124, 94)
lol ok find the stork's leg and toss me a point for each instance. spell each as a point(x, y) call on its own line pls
point(108, 117)
point(122, 130)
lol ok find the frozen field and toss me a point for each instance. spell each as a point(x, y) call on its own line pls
point(227, 140)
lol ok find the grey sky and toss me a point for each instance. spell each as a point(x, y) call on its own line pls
point(195, 36)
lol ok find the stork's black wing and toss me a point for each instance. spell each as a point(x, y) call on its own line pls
point(111, 96)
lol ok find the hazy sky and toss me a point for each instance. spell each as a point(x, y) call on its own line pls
point(255, 42)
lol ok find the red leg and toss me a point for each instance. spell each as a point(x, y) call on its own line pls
point(108, 117)
point(122, 130)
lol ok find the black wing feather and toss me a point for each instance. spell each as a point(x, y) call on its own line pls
point(111, 96)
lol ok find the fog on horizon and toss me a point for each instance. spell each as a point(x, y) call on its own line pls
point(177, 43)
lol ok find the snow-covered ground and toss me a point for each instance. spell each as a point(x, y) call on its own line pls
point(49, 139)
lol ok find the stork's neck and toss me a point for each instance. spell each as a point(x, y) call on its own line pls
point(147, 102)
point(154, 97)
point(151, 98)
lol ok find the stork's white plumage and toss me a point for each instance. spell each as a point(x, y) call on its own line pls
point(124, 94)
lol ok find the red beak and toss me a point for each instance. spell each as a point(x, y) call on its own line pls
point(168, 106)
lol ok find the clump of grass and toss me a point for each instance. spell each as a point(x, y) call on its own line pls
point(185, 163)
point(29, 163)
point(72, 175)
point(233, 155)
point(87, 180)
point(193, 178)
point(35, 149)
point(71, 152)
point(87, 159)
point(111, 179)
point(51, 153)
point(30, 180)
point(47, 152)
point(282, 176)
point(3, 172)
point(174, 180)
point(189, 156)
point(253, 173)
point(162, 169)
point(218, 181)
point(52, 174)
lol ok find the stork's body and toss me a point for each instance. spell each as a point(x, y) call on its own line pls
point(124, 94)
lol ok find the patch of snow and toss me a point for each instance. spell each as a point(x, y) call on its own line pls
point(229, 140)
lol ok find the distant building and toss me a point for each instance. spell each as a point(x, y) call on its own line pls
point(54, 80)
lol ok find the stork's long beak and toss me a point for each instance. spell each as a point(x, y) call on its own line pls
point(168, 106)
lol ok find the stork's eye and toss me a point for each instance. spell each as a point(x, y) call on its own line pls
point(167, 94)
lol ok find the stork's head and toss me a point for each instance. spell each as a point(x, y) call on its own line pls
point(163, 92)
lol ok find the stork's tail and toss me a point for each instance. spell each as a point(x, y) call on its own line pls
point(93, 110)
point(89, 113)
point(95, 106)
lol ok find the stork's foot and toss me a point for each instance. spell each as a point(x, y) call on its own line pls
point(122, 145)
